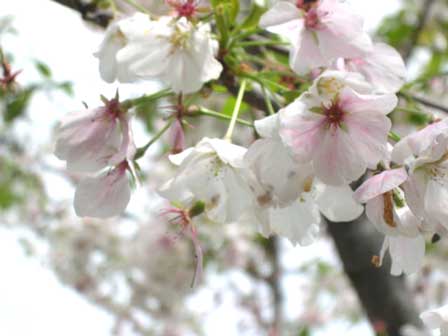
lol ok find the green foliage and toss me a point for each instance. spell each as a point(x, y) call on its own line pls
point(396, 30)
point(16, 104)
point(43, 69)
point(228, 106)
point(16, 184)
point(304, 332)
point(251, 20)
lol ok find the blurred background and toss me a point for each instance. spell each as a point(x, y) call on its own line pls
point(62, 275)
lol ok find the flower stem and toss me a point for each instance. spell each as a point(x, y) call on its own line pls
point(207, 112)
point(146, 99)
point(394, 136)
point(236, 111)
point(137, 6)
point(267, 100)
point(142, 150)
point(259, 43)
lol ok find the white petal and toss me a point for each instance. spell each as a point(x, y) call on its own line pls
point(337, 203)
point(104, 196)
point(337, 161)
point(407, 254)
point(298, 222)
point(380, 184)
point(268, 127)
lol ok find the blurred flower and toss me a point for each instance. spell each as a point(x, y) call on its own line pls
point(437, 319)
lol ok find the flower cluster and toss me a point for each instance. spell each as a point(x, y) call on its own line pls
point(306, 156)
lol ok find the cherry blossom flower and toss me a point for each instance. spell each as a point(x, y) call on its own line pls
point(416, 143)
point(386, 210)
point(339, 130)
point(105, 195)
point(425, 153)
point(93, 139)
point(178, 53)
point(436, 319)
point(211, 172)
point(320, 32)
point(383, 67)
point(300, 220)
point(278, 178)
point(116, 37)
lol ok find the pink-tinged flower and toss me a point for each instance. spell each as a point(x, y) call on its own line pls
point(436, 319)
point(177, 52)
point(339, 130)
point(211, 172)
point(416, 143)
point(319, 32)
point(103, 196)
point(425, 152)
point(387, 210)
point(93, 139)
point(116, 37)
point(427, 187)
point(383, 67)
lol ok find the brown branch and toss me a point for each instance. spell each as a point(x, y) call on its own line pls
point(420, 26)
point(386, 299)
point(273, 251)
point(424, 101)
point(89, 11)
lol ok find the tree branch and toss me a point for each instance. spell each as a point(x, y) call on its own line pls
point(386, 299)
point(421, 23)
point(89, 11)
point(424, 101)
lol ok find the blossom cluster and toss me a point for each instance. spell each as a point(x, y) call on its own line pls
point(307, 154)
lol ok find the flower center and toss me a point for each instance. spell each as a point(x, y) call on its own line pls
point(179, 39)
point(312, 19)
point(334, 115)
point(184, 8)
point(306, 5)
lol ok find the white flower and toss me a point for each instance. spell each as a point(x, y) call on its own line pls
point(93, 139)
point(117, 35)
point(103, 196)
point(386, 209)
point(180, 54)
point(437, 319)
point(299, 221)
point(319, 32)
point(383, 67)
point(278, 178)
point(211, 172)
point(339, 130)
point(426, 152)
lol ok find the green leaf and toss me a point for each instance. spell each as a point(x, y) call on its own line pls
point(43, 69)
point(17, 105)
point(252, 20)
point(67, 87)
point(227, 109)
